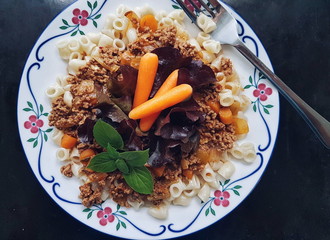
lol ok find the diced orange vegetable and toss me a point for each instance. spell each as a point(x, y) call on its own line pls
point(171, 81)
point(146, 77)
point(149, 21)
point(226, 115)
point(68, 142)
point(158, 171)
point(203, 155)
point(188, 173)
point(157, 104)
point(86, 154)
point(240, 125)
point(214, 105)
point(184, 163)
point(235, 107)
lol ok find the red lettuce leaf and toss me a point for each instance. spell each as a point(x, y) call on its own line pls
point(128, 131)
point(125, 82)
point(196, 74)
point(85, 131)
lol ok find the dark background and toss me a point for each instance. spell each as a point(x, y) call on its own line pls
point(292, 199)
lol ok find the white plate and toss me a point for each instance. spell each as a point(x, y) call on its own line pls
point(41, 69)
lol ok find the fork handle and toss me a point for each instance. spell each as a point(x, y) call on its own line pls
point(319, 125)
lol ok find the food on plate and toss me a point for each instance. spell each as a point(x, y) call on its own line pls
point(148, 115)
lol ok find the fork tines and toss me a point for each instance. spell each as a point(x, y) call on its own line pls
point(212, 8)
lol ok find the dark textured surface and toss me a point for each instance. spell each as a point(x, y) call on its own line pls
point(292, 200)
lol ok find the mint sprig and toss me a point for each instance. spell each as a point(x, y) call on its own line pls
point(130, 163)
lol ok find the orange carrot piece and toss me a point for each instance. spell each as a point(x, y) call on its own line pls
point(68, 142)
point(214, 105)
point(86, 154)
point(158, 171)
point(149, 21)
point(240, 125)
point(157, 104)
point(171, 81)
point(146, 77)
point(187, 173)
point(226, 116)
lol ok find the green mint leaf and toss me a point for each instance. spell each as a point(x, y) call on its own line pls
point(122, 166)
point(135, 158)
point(102, 163)
point(104, 133)
point(113, 154)
point(140, 180)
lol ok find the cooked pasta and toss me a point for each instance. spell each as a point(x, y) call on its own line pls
point(208, 174)
point(206, 23)
point(227, 170)
point(182, 200)
point(204, 192)
point(226, 97)
point(62, 154)
point(176, 189)
point(54, 91)
point(160, 212)
point(212, 46)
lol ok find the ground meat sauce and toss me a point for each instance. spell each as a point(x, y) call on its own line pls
point(213, 133)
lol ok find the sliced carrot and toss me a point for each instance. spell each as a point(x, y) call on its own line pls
point(171, 81)
point(68, 142)
point(226, 115)
point(214, 105)
point(157, 104)
point(86, 154)
point(240, 125)
point(188, 173)
point(146, 77)
point(158, 171)
point(149, 21)
point(235, 107)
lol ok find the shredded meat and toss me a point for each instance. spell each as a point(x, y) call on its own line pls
point(66, 170)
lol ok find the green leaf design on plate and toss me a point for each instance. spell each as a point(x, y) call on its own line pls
point(254, 107)
point(65, 22)
point(176, 7)
point(98, 16)
point(89, 5)
point(95, 5)
point(87, 210)
point(266, 111)
point(64, 27)
point(74, 33)
point(81, 32)
point(250, 79)
point(41, 108)
point(247, 86)
point(30, 104)
point(49, 130)
point(238, 187)
point(236, 192)
point(45, 114)
point(207, 212)
point(118, 207)
point(212, 211)
point(122, 212)
point(118, 226)
point(35, 143)
point(89, 215)
point(227, 181)
point(268, 106)
point(27, 109)
point(45, 137)
point(95, 24)
point(31, 139)
point(123, 224)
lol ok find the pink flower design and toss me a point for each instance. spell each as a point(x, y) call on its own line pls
point(262, 92)
point(34, 124)
point(105, 216)
point(190, 6)
point(221, 198)
point(80, 17)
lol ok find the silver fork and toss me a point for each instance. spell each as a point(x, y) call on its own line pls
point(226, 33)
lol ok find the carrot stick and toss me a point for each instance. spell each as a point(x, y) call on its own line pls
point(86, 154)
point(149, 21)
point(226, 115)
point(68, 142)
point(214, 105)
point(146, 77)
point(157, 104)
point(171, 81)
